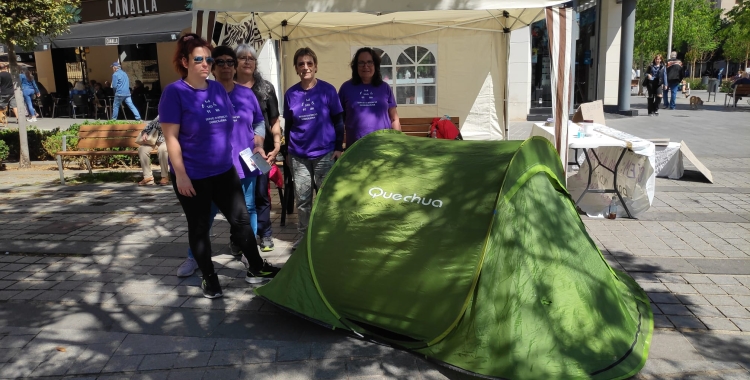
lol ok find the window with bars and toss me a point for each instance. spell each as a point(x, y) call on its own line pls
point(411, 70)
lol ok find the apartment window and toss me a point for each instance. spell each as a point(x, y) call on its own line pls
point(411, 70)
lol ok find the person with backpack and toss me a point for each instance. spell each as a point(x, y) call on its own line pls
point(368, 102)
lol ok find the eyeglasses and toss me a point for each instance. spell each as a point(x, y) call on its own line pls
point(363, 63)
point(248, 58)
point(199, 59)
point(222, 62)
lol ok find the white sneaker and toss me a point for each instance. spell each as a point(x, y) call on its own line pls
point(187, 268)
point(33, 119)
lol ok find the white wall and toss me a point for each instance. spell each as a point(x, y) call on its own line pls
point(99, 62)
point(519, 74)
point(609, 51)
point(164, 52)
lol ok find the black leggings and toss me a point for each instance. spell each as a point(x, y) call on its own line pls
point(263, 205)
point(226, 192)
point(654, 98)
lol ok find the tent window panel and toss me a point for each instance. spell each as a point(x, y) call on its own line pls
point(405, 95)
point(426, 74)
point(426, 95)
point(387, 73)
point(411, 70)
point(405, 75)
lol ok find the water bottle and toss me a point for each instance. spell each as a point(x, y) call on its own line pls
point(612, 210)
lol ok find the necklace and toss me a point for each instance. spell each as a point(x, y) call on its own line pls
point(314, 83)
point(190, 85)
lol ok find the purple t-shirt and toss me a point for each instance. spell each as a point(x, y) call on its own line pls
point(205, 119)
point(365, 108)
point(247, 112)
point(312, 134)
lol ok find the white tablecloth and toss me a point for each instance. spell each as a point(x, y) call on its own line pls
point(636, 179)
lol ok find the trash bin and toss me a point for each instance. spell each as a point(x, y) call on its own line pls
point(713, 85)
point(704, 80)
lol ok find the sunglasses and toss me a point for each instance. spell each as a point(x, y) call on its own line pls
point(199, 59)
point(222, 62)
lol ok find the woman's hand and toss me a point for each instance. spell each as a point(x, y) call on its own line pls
point(144, 137)
point(185, 186)
point(271, 158)
point(337, 154)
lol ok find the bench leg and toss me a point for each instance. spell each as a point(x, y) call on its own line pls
point(88, 164)
point(60, 168)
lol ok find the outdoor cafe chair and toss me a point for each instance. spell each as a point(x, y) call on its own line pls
point(62, 104)
point(79, 105)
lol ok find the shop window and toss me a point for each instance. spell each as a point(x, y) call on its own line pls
point(411, 71)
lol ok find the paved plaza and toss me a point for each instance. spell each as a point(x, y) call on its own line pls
point(88, 287)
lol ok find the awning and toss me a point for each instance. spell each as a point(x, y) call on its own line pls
point(129, 31)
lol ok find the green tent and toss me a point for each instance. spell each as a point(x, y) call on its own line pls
point(469, 253)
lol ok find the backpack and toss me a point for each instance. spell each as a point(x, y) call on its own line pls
point(443, 128)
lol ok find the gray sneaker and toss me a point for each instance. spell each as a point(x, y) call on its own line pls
point(187, 268)
point(266, 244)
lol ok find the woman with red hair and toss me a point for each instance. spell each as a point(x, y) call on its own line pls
point(197, 118)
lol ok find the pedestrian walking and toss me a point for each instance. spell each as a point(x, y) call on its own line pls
point(197, 119)
point(248, 75)
point(368, 102)
point(121, 87)
point(7, 97)
point(655, 83)
point(29, 88)
point(675, 74)
point(315, 130)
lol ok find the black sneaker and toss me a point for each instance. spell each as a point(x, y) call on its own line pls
point(236, 251)
point(266, 244)
point(211, 287)
point(265, 273)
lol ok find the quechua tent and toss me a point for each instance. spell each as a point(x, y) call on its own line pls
point(469, 253)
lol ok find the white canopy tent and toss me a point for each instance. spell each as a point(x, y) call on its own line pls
point(447, 56)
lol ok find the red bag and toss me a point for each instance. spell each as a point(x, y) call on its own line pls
point(443, 128)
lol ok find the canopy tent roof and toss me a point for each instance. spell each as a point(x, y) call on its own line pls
point(364, 6)
point(510, 14)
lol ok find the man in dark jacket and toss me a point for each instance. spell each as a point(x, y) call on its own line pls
point(675, 74)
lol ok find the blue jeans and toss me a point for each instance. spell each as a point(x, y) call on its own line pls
point(128, 102)
point(669, 101)
point(29, 104)
point(248, 188)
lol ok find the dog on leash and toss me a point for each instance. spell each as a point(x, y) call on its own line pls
point(695, 102)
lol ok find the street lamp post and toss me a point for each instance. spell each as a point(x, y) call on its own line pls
point(671, 24)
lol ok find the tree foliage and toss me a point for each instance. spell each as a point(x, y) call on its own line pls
point(22, 22)
point(736, 33)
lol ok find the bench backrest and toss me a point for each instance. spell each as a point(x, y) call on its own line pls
point(419, 126)
point(742, 89)
point(109, 136)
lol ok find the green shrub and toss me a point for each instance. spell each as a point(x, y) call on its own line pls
point(726, 86)
point(35, 137)
point(695, 84)
point(4, 150)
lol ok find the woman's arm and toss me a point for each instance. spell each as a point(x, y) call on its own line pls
point(276, 135)
point(338, 125)
point(174, 150)
point(395, 121)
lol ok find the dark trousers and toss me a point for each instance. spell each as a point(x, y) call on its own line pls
point(225, 191)
point(263, 206)
point(654, 97)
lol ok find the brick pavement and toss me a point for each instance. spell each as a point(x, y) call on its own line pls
point(88, 291)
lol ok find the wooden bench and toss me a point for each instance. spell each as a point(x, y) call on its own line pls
point(738, 90)
point(419, 126)
point(93, 138)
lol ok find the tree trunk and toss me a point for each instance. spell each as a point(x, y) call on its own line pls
point(23, 157)
point(693, 74)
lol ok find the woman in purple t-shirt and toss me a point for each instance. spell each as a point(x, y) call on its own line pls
point(197, 120)
point(368, 102)
point(314, 131)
